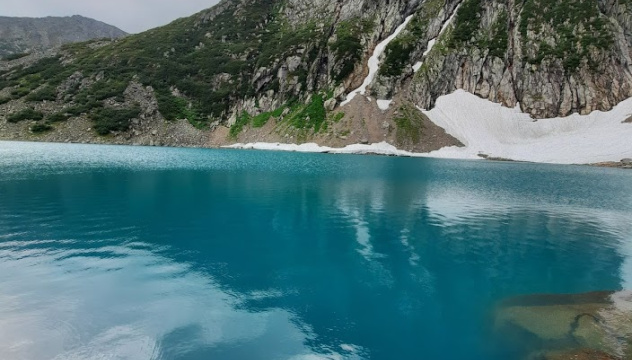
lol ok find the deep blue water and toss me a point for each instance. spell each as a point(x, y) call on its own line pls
point(149, 253)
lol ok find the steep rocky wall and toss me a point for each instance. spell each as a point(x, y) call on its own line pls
point(332, 41)
point(577, 60)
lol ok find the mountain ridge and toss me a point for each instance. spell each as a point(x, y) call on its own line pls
point(27, 34)
point(277, 70)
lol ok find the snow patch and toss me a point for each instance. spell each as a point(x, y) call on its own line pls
point(489, 128)
point(382, 148)
point(374, 62)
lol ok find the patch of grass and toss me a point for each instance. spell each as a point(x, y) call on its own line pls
point(467, 23)
point(107, 120)
point(261, 119)
point(397, 55)
point(57, 117)
point(311, 115)
point(106, 89)
point(41, 128)
point(338, 116)
point(174, 108)
point(398, 52)
point(409, 125)
point(48, 93)
point(26, 114)
point(242, 120)
point(348, 47)
point(20, 92)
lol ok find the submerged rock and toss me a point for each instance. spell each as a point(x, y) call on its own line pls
point(596, 325)
point(582, 354)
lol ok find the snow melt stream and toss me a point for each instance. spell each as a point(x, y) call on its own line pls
point(385, 104)
point(374, 62)
point(433, 41)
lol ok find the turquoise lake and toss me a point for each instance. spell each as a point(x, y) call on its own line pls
point(113, 252)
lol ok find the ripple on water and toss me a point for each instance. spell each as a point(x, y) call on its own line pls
point(145, 253)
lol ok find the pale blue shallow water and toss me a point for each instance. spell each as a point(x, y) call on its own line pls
point(150, 253)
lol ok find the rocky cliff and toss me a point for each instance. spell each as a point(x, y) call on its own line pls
point(25, 35)
point(278, 70)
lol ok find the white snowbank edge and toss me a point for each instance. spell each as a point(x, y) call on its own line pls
point(489, 129)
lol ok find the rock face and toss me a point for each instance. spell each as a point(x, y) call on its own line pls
point(286, 66)
point(582, 326)
point(24, 35)
point(553, 59)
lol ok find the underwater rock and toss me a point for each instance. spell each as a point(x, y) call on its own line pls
point(596, 325)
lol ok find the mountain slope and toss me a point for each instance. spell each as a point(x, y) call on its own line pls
point(278, 70)
point(23, 35)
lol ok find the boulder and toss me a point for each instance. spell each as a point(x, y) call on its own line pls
point(330, 104)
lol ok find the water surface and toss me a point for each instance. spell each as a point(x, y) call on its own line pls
point(112, 252)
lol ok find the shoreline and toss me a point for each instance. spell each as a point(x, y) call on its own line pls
point(382, 149)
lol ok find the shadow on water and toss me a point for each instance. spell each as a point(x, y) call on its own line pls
point(298, 256)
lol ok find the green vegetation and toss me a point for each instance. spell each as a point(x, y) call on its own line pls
point(310, 116)
point(262, 119)
point(467, 23)
point(304, 117)
point(499, 37)
point(208, 60)
point(174, 108)
point(575, 27)
point(257, 121)
point(86, 108)
point(26, 114)
point(398, 51)
point(41, 128)
point(107, 120)
point(242, 120)
point(56, 117)
point(409, 125)
point(397, 56)
point(48, 93)
point(348, 47)
point(15, 56)
point(338, 117)
point(192, 55)
point(106, 89)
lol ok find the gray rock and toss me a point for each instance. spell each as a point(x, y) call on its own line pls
point(330, 104)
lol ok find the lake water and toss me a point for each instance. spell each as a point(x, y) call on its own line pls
point(113, 252)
